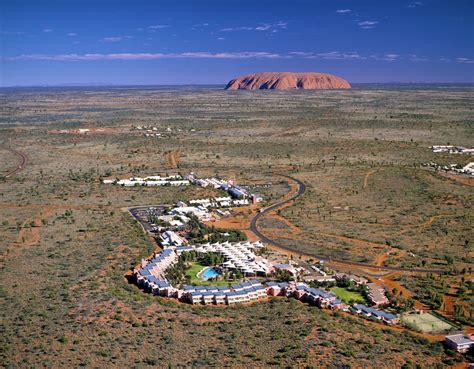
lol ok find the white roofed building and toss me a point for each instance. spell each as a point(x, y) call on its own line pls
point(170, 238)
point(239, 256)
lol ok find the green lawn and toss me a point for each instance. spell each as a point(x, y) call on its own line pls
point(195, 280)
point(347, 296)
point(194, 270)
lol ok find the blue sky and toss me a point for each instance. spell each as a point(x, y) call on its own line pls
point(211, 41)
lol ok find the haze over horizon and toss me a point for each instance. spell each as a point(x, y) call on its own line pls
point(184, 42)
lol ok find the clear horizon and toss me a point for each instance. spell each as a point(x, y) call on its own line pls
point(209, 42)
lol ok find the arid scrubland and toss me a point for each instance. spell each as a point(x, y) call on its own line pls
point(66, 242)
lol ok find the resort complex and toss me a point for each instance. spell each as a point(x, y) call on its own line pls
point(229, 273)
point(241, 258)
point(215, 269)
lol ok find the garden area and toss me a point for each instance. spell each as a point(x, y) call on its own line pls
point(191, 275)
point(186, 270)
point(348, 296)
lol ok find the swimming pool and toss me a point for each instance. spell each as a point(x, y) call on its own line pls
point(210, 273)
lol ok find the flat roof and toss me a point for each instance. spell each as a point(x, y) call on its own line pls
point(460, 339)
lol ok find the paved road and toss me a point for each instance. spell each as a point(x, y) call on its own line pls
point(301, 191)
point(23, 161)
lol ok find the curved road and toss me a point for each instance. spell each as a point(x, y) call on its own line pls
point(301, 191)
point(23, 161)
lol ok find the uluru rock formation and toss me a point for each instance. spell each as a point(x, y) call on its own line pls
point(287, 81)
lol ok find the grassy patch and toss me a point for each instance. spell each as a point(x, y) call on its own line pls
point(347, 296)
point(194, 270)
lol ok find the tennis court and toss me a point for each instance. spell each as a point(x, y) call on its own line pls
point(427, 323)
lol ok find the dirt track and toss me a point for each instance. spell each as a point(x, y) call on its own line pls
point(173, 159)
point(366, 178)
point(20, 166)
point(29, 234)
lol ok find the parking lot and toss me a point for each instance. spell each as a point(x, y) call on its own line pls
point(143, 213)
